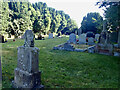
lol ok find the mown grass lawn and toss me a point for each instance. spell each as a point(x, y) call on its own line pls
point(64, 69)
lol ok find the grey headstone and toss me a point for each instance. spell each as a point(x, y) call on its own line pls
point(82, 39)
point(91, 41)
point(72, 38)
point(50, 35)
point(27, 74)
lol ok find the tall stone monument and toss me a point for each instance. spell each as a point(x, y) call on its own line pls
point(104, 46)
point(27, 74)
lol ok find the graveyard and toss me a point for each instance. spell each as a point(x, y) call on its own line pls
point(72, 45)
point(63, 69)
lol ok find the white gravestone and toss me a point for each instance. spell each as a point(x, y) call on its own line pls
point(82, 39)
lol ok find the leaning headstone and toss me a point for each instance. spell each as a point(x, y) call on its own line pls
point(82, 39)
point(72, 38)
point(97, 37)
point(27, 74)
point(50, 35)
point(91, 41)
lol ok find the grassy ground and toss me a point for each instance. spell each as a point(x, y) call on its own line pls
point(64, 68)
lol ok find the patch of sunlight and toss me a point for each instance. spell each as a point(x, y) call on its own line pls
point(44, 47)
point(67, 35)
point(5, 51)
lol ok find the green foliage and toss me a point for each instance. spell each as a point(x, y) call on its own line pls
point(92, 22)
point(112, 13)
point(20, 16)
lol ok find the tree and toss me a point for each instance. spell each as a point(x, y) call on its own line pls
point(92, 22)
point(112, 13)
point(20, 16)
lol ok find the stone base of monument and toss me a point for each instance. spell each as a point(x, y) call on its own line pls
point(104, 49)
point(24, 79)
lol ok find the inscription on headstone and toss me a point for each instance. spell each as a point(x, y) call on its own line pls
point(27, 74)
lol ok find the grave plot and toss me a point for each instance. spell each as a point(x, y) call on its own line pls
point(72, 45)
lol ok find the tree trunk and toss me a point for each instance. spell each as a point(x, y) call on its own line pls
point(119, 38)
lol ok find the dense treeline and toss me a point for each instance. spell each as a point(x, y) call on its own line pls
point(92, 22)
point(20, 16)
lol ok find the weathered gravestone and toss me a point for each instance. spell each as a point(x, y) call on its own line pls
point(72, 38)
point(82, 39)
point(27, 74)
point(50, 35)
point(97, 37)
point(91, 41)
